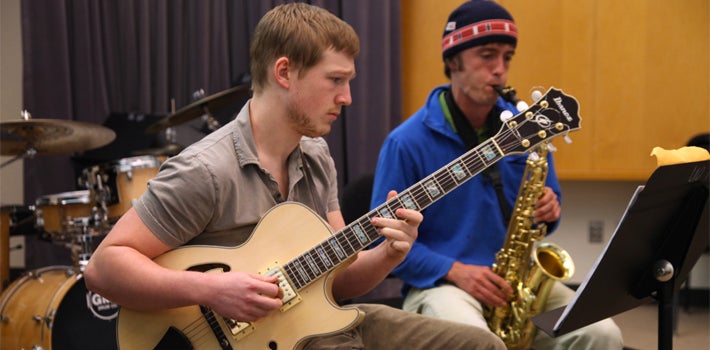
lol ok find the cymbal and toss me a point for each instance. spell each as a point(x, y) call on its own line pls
point(167, 150)
point(201, 107)
point(51, 136)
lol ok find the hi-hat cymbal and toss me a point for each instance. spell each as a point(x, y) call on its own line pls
point(51, 136)
point(201, 107)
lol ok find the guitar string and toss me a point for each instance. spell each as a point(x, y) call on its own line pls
point(197, 329)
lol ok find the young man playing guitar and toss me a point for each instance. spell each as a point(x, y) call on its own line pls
point(216, 192)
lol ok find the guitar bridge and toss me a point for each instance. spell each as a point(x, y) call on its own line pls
point(239, 329)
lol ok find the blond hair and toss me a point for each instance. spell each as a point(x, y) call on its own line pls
point(300, 32)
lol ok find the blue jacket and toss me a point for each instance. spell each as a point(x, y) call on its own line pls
point(465, 225)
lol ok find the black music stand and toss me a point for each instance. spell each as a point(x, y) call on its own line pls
point(662, 233)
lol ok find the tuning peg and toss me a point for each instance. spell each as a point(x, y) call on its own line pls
point(536, 95)
point(551, 147)
point(521, 105)
point(568, 139)
point(506, 115)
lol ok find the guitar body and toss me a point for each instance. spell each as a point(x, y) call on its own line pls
point(283, 233)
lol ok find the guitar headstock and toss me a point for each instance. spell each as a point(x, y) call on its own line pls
point(553, 114)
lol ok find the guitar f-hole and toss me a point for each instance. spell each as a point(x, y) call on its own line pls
point(210, 267)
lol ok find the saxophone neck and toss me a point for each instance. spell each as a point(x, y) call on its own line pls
point(540, 151)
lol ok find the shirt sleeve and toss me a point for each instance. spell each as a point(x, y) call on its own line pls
point(179, 201)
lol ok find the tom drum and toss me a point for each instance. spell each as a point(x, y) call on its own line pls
point(58, 213)
point(121, 182)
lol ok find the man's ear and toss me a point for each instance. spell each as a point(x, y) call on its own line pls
point(453, 63)
point(282, 72)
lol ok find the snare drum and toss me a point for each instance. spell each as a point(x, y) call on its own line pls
point(58, 213)
point(50, 308)
point(121, 182)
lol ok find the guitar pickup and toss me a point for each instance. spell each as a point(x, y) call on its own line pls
point(290, 297)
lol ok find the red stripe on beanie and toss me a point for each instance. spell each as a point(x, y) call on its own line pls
point(479, 30)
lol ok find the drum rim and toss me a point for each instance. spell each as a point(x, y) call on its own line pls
point(64, 198)
point(8, 293)
point(137, 162)
point(125, 164)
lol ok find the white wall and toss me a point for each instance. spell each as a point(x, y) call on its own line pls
point(11, 182)
point(10, 94)
point(605, 202)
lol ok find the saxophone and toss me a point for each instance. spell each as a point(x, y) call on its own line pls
point(529, 266)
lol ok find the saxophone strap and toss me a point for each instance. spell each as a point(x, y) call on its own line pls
point(472, 138)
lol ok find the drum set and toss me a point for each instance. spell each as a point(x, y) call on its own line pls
point(50, 307)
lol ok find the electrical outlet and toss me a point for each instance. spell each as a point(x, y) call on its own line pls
point(596, 231)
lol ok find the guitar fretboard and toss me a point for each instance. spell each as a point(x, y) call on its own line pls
point(356, 236)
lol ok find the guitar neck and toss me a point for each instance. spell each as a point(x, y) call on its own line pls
point(358, 235)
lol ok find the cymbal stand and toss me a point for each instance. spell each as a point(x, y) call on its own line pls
point(82, 245)
point(29, 153)
point(99, 212)
point(211, 124)
point(170, 135)
point(170, 132)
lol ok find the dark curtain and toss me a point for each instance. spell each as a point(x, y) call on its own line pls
point(85, 60)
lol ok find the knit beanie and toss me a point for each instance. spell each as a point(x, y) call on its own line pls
point(478, 22)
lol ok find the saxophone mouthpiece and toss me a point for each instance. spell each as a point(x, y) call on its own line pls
point(508, 94)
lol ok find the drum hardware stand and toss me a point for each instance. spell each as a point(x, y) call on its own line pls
point(100, 211)
point(28, 154)
point(211, 124)
point(82, 258)
point(81, 241)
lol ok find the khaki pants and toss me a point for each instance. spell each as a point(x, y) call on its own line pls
point(452, 303)
point(387, 328)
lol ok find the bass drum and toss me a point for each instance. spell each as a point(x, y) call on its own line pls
point(50, 308)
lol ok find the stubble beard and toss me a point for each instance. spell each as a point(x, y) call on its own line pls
point(300, 122)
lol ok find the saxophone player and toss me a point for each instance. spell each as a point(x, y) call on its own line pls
point(448, 271)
